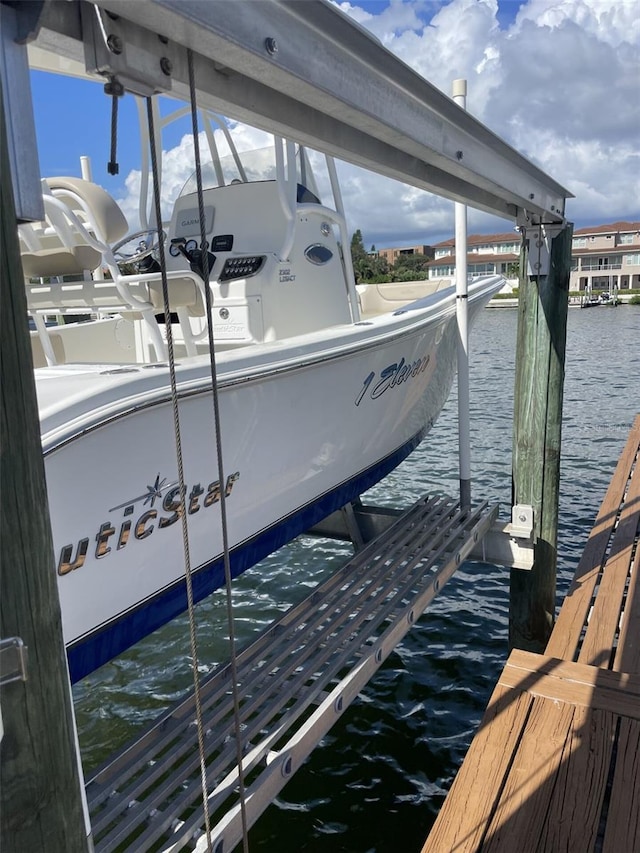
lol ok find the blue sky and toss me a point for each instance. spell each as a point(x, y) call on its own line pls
point(558, 79)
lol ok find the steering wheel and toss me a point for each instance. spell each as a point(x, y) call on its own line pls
point(145, 243)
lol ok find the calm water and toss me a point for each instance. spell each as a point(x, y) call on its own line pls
point(379, 778)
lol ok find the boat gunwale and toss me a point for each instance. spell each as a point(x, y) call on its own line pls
point(435, 313)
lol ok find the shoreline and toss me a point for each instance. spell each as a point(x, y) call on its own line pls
point(574, 302)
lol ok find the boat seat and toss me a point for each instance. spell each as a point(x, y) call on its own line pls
point(44, 263)
point(59, 254)
point(102, 212)
point(54, 247)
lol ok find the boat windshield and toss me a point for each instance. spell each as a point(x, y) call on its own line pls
point(249, 167)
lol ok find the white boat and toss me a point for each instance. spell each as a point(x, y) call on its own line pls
point(316, 405)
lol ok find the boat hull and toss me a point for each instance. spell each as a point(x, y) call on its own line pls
point(298, 442)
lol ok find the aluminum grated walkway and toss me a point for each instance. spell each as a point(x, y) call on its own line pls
point(294, 682)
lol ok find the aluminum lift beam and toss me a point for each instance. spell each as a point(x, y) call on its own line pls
point(306, 71)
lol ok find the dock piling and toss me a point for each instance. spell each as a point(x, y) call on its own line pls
point(40, 790)
point(545, 264)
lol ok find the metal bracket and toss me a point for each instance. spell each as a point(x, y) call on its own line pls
point(521, 526)
point(510, 544)
point(13, 661)
point(113, 47)
point(539, 238)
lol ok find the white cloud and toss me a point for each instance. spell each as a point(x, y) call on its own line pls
point(613, 22)
point(559, 82)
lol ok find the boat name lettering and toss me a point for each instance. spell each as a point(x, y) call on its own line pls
point(147, 522)
point(285, 275)
point(391, 376)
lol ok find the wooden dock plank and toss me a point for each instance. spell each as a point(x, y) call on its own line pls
point(623, 821)
point(529, 786)
point(576, 684)
point(628, 652)
point(566, 634)
point(574, 811)
point(627, 657)
point(604, 620)
point(584, 674)
point(464, 817)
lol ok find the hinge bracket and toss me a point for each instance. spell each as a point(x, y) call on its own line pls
point(13, 661)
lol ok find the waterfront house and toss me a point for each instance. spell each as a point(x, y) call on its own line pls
point(604, 257)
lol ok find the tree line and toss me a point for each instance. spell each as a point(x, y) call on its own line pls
point(369, 267)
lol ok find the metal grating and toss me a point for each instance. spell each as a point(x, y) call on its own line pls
point(294, 682)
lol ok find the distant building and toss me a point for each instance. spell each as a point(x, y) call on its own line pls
point(392, 255)
point(604, 257)
point(487, 254)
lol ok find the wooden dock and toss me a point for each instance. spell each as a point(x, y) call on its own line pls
point(555, 764)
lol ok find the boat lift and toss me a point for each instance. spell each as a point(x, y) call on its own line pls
point(307, 72)
point(304, 71)
point(296, 680)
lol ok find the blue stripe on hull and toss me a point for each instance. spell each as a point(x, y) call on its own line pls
point(92, 651)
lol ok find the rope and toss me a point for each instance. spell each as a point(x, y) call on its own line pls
point(216, 417)
point(181, 480)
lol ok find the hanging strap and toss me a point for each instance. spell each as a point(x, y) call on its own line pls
point(115, 89)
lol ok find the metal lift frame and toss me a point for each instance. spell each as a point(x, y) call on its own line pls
point(304, 70)
point(295, 681)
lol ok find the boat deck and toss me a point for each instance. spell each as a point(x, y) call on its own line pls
point(555, 764)
point(294, 682)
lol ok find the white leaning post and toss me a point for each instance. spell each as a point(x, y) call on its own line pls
point(460, 97)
